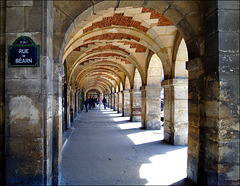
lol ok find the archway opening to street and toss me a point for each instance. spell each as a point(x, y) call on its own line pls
point(110, 50)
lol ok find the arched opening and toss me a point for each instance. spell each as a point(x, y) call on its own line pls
point(154, 71)
point(110, 48)
point(103, 47)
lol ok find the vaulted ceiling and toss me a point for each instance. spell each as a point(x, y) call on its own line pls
point(107, 47)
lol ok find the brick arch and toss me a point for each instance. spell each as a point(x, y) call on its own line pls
point(95, 90)
point(104, 72)
point(127, 83)
point(94, 83)
point(101, 87)
point(154, 73)
point(111, 63)
point(155, 45)
point(104, 83)
point(118, 56)
point(83, 75)
point(175, 12)
point(103, 80)
point(104, 65)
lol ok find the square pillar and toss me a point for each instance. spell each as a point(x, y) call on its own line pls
point(120, 105)
point(136, 105)
point(176, 111)
point(126, 103)
point(115, 102)
point(151, 102)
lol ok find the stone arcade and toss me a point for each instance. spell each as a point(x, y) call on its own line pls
point(129, 52)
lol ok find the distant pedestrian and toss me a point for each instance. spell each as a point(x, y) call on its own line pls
point(90, 102)
point(86, 104)
point(104, 102)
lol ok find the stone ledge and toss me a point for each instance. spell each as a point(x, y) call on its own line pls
point(151, 88)
point(174, 82)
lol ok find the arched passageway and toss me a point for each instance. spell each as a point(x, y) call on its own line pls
point(105, 48)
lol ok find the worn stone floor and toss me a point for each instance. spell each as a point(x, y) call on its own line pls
point(106, 149)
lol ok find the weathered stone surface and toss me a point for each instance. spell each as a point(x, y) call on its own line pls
point(126, 103)
point(32, 18)
point(176, 111)
point(120, 102)
point(152, 114)
point(136, 105)
point(15, 15)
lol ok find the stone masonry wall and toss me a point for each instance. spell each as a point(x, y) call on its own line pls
point(219, 137)
point(29, 96)
point(2, 90)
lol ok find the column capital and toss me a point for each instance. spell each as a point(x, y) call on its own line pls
point(134, 90)
point(174, 82)
point(151, 88)
point(126, 91)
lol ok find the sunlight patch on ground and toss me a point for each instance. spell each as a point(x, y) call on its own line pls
point(132, 125)
point(165, 169)
point(107, 112)
point(115, 115)
point(121, 119)
point(146, 136)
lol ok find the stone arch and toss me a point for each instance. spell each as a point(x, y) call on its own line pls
point(154, 74)
point(127, 83)
point(121, 87)
point(179, 67)
point(190, 25)
point(137, 80)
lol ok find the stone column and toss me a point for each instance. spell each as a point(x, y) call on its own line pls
point(107, 96)
point(29, 97)
point(68, 107)
point(120, 102)
point(151, 107)
point(79, 100)
point(176, 111)
point(136, 105)
point(116, 102)
point(72, 104)
point(110, 101)
point(113, 101)
point(126, 103)
point(76, 103)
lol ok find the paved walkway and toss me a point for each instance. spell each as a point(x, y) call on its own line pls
point(106, 149)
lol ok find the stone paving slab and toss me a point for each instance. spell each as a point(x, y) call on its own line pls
point(107, 149)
